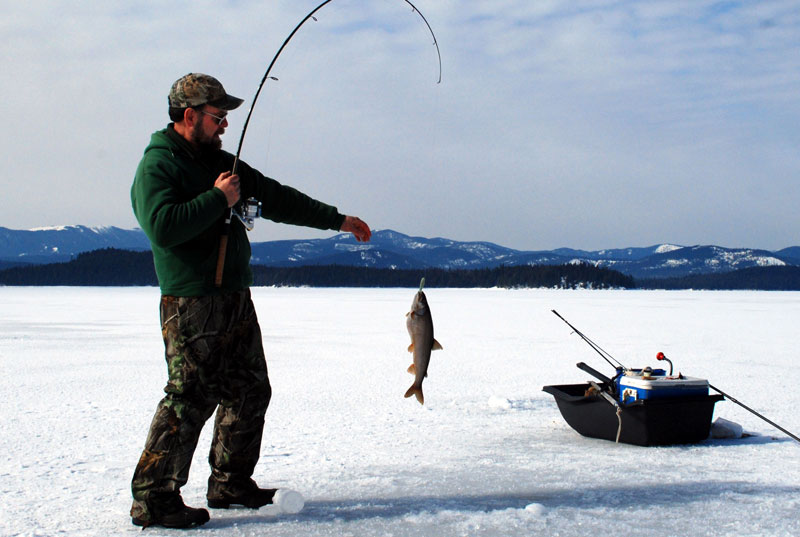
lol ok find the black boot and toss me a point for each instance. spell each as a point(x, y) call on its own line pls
point(168, 512)
point(245, 493)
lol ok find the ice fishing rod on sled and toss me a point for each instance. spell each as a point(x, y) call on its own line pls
point(661, 357)
point(251, 208)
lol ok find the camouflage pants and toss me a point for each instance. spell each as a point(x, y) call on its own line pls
point(215, 360)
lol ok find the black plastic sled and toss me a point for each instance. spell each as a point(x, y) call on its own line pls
point(642, 422)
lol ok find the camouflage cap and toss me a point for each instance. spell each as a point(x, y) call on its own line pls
point(195, 89)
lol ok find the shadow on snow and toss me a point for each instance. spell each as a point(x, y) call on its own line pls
point(612, 497)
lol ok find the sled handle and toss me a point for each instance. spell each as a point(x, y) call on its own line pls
point(595, 373)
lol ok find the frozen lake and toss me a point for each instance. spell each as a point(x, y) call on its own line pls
point(488, 454)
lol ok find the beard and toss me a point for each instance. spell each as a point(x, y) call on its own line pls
point(205, 142)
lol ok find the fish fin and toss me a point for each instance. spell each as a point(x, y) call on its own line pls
point(411, 347)
point(416, 391)
point(436, 346)
point(412, 369)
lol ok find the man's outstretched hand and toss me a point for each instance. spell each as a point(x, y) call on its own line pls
point(357, 227)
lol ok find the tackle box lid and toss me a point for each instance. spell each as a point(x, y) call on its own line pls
point(666, 382)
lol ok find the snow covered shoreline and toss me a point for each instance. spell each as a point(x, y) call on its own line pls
point(488, 454)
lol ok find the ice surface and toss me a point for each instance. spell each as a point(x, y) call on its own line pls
point(488, 454)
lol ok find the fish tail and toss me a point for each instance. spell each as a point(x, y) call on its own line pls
point(416, 391)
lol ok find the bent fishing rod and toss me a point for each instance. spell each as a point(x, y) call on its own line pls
point(223, 240)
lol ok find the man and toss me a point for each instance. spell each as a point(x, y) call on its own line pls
point(181, 193)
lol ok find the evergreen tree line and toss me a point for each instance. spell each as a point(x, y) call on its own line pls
point(107, 267)
point(551, 276)
point(113, 267)
point(777, 278)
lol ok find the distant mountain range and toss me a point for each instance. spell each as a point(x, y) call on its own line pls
point(391, 249)
point(60, 244)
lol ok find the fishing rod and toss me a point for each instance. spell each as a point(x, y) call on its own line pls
point(223, 240)
point(599, 350)
point(733, 400)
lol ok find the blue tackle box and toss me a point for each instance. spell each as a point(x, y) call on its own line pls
point(634, 385)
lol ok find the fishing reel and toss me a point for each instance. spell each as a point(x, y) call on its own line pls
point(247, 211)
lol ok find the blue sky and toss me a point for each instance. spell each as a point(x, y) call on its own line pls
point(589, 124)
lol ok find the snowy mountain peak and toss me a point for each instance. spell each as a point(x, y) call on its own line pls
point(666, 248)
point(78, 228)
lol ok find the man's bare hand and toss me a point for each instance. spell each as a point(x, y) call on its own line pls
point(229, 184)
point(357, 227)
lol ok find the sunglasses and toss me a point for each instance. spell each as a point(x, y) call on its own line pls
point(217, 119)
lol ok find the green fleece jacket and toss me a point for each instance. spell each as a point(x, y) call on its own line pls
point(182, 213)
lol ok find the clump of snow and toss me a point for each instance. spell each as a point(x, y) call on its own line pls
point(499, 403)
point(535, 509)
point(722, 428)
point(289, 501)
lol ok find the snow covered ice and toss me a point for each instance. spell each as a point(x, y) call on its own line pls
point(488, 454)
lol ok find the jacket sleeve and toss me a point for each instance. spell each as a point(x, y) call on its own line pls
point(285, 204)
point(168, 214)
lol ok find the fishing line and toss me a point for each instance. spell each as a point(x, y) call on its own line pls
point(284, 111)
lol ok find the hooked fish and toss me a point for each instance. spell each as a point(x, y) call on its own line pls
point(420, 327)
